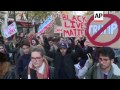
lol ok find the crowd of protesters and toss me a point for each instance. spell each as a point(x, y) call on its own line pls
point(55, 57)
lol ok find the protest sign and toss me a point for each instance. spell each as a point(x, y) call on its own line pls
point(73, 25)
point(106, 33)
point(47, 23)
point(10, 30)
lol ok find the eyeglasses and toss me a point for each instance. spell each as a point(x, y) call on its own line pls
point(35, 58)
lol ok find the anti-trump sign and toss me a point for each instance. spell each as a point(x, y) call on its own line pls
point(47, 23)
point(10, 30)
point(105, 33)
point(73, 25)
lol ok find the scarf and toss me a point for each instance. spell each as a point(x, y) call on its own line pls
point(100, 74)
point(42, 72)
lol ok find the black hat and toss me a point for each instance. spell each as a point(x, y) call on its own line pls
point(3, 57)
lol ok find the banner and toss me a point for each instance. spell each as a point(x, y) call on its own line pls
point(73, 25)
point(45, 25)
point(10, 30)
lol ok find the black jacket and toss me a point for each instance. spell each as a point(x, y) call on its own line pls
point(65, 63)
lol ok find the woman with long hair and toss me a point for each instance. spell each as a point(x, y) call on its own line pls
point(5, 70)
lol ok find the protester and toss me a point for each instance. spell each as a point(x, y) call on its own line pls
point(40, 40)
point(34, 41)
point(4, 51)
point(53, 47)
point(24, 59)
point(5, 71)
point(38, 67)
point(11, 49)
point(64, 66)
point(105, 69)
point(81, 69)
point(50, 52)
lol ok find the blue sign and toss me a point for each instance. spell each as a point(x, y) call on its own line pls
point(46, 22)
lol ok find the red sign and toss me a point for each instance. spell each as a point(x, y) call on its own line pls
point(113, 18)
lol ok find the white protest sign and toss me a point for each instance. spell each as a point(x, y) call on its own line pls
point(73, 25)
point(105, 33)
point(10, 30)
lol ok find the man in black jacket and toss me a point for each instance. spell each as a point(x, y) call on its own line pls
point(64, 66)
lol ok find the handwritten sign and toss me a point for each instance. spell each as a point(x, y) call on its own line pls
point(10, 30)
point(105, 33)
point(73, 25)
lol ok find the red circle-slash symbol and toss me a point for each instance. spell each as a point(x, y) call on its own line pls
point(92, 38)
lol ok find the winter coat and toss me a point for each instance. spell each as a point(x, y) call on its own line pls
point(64, 63)
point(92, 72)
point(22, 63)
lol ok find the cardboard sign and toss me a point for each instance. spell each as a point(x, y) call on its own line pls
point(57, 29)
point(106, 33)
point(10, 30)
point(73, 25)
point(45, 25)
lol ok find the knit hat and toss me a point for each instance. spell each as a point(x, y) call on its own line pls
point(63, 45)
